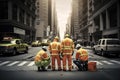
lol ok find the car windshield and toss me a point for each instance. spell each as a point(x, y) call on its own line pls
point(117, 42)
point(5, 42)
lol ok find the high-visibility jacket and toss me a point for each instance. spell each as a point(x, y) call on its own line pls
point(82, 55)
point(67, 46)
point(54, 48)
point(41, 55)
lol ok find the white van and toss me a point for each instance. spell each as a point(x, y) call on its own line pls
point(107, 46)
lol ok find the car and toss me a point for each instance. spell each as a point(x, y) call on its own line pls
point(13, 46)
point(107, 46)
point(45, 42)
point(36, 43)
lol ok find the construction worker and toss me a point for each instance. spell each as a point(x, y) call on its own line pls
point(67, 48)
point(81, 58)
point(42, 59)
point(54, 49)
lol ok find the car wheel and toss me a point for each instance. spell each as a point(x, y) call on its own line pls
point(95, 52)
point(26, 51)
point(14, 52)
point(102, 53)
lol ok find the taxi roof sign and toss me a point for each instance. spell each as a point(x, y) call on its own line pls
point(7, 38)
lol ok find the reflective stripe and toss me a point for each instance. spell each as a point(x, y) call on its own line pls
point(66, 53)
point(54, 54)
point(66, 48)
point(54, 49)
point(83, 55)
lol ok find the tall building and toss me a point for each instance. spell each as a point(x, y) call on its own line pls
point(83, 20)
point(46, 21)
point(104, 19)
point(75, 19)
point(17, 19)
point(42, 19)
point(54, 19)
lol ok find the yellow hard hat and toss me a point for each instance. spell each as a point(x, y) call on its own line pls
point(56, 37)
point(67, 35)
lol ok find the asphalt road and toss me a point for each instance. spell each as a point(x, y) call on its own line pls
point(22, 67)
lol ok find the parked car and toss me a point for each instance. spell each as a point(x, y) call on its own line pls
point(13, 46)
point(36, 43)
point(45, 42)
point(107, 46)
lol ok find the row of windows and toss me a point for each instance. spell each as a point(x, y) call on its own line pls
point(17, 14)
point(112, 17)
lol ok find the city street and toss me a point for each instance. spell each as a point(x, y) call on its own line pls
point(22, 67)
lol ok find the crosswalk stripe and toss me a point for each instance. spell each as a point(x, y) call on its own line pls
point(3, 63)
point(99, 63)
point(31, 63)
point(107, 62)
point(13, 63)
point(115, 61)
point(23, 63)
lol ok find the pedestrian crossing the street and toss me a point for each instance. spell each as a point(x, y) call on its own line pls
point(31, 63)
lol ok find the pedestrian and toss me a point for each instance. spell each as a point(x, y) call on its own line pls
point(42, 60)
point(54, 49)
point(67, 49)
point(81, 60)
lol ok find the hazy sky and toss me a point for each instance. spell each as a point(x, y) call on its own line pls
point(63, 8)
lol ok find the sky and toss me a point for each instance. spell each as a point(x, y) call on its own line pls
point(63, 8)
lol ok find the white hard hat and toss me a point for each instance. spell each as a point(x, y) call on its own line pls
point(44, 48)
point(78, 46)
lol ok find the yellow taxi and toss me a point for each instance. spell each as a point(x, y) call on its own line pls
point(45, 42)
point(36, 43)
point(12, 46)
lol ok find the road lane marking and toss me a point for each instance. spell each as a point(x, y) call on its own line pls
point(31, 63)
point(3, 63)
point(115, 61)
point(13, 63)
point(22, 63)
point(107, 62)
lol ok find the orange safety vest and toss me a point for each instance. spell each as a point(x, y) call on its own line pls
point(41, 55)
point(67, 46)
point(54, 48)
point(82, 54)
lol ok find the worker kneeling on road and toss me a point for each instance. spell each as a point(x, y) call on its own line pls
point(42, 59)
point(81, 59)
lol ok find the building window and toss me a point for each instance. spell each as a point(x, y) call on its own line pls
point(112, 11)
point(3, 9)
point(33, 22)
point(104, 20)
point(14, 11)
point(21, 16)
point(28, 20)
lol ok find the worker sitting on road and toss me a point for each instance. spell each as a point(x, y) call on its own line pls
point(42, 59)
point(81, 59)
